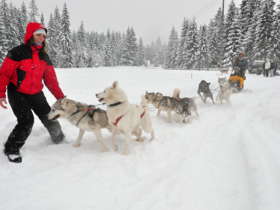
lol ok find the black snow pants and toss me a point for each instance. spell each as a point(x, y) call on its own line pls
point(22, 106)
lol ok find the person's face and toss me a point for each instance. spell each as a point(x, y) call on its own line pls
point(39, 38)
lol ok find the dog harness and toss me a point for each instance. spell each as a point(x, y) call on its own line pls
point(115, 104)
point(88, 109)
point(117, 120)
point(120, 117)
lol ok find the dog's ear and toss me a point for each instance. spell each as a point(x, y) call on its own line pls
point(208, 83)
point(115, 84)
point(60, 100)
point(64, 101)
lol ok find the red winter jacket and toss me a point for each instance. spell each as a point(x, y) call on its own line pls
point(26, 67)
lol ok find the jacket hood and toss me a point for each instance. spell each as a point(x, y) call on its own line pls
point(31, 28)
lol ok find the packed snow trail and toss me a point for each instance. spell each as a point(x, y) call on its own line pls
point(228, 159)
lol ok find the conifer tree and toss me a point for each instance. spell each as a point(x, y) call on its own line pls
point(203, 60)
point(140, 53)
point(33, 11)
point(264, 30)
point(232, 35)
point(66, 48)
point(192, 46)
point(172, 50)
point(182, 57)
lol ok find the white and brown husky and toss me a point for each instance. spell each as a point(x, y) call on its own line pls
point(128, 119)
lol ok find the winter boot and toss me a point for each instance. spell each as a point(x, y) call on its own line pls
point(14, 157)
point(54, 129)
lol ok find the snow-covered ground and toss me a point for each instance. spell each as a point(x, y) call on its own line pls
point(229, 159)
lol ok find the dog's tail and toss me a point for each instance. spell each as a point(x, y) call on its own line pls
point(176, 93)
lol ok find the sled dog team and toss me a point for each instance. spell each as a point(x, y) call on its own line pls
point(127, 119)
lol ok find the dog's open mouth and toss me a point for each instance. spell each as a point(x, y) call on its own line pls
point(55, 117)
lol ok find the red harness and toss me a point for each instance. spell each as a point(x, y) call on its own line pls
point(120, 117)
point(90, 108)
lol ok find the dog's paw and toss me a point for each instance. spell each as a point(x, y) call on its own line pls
point(76, 145)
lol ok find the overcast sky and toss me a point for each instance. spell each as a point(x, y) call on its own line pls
point(150, 18)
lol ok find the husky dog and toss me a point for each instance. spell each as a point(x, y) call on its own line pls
point(203, 88)
point(190, 102)
point(225, 90)
point(128, 119)
point(83, 116)
point(162, 103)
point(154, 99)
point(169, 105)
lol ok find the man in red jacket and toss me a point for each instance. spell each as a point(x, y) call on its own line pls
point(22, 74)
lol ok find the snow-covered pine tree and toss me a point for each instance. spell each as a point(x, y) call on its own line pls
point(14, 20)
point(159, 53)
point(57, 38)
point(221, 36)
point(129, 49)
point(3, 36)
point(264, 30)
point(74, 38)
point(276, 30)
point(66, 47)
point(212, 37)
point(133, 46)
point(230, 16)
point(81, 53)
point(245, 19)
point(216, 40)
point(9, 24)
point(172, 50)
point(95, 58)
point(232, 35)
point(203, 60)
point(140, 53)
point(100, 43)
point(247, 10)
point(33, 11)
point(149, 53)
point(116, 41)
point(108, 50)
point(21, 21)
point(91, 46)
point(192, 46)
point(24, 15)
point(182, 57)
point(249, 18)
point(52, 44)
point(124, 59)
